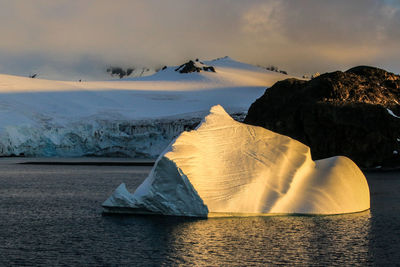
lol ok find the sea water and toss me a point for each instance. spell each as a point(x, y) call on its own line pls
point(51, 215)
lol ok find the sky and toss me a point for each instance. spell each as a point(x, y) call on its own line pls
point(70, 39)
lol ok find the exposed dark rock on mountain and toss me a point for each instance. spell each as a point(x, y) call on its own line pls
point(276, 69)
point(191, 66)
point(122, 72)
point(209, 68)
point(118, 71)
point(354, 113)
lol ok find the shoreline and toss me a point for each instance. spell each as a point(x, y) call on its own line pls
point(83, 161)
point(89, 163)
point(117, 161)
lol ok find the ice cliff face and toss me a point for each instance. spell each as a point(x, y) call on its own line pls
point(139, 139)
point(225, 167)
point(115, 138)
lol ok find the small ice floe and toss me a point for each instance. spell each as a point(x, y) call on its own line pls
point(395, 152)
point(394, 115)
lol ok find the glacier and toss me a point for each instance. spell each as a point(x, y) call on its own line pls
point(228, 168)
point(130, 117)
point(97, 137)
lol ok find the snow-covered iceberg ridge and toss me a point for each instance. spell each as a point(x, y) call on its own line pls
point(225, 167)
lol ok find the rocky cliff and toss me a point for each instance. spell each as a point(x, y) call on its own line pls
point(355, 113)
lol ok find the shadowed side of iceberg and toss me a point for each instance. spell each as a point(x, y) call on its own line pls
point(166, 191)
point(227, 167)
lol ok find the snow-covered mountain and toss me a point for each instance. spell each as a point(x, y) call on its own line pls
point(134, 117)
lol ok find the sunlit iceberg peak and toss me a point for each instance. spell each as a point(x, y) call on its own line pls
point(225, 167)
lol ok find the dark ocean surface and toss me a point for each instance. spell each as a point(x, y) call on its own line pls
point(51, 215)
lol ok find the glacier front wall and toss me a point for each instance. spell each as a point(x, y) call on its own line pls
point(95, 137)
point(226, 167)
point(137, 139)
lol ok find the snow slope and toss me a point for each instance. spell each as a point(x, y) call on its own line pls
point(225, 167)
point(131, 117)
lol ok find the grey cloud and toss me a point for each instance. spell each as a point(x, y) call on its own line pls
point(72, 36)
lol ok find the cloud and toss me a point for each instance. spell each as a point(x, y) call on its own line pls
point(311, 35)
point(73, 37)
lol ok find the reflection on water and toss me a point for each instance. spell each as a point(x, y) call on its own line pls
point(278, 240)
point(51, 215)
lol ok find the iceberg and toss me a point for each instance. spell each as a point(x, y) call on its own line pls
point(228, 168)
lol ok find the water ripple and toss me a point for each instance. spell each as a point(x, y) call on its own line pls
point(51, 215)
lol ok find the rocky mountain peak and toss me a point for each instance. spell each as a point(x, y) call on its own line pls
point(192, 66)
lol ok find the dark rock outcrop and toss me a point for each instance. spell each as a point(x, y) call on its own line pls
point(120, 72)
point(191, 66)
point(354, 113)
point(209, 68)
